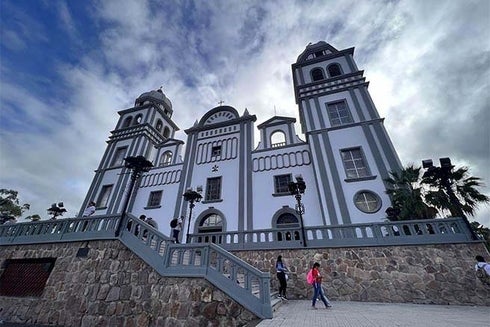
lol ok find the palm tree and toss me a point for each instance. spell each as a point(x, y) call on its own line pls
point(407, 195)
point(454, 191)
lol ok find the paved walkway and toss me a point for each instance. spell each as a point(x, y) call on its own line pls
point(368, 314)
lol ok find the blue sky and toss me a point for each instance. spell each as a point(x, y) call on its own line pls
point(67, 67)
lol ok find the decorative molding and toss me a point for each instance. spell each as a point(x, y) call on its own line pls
point(283, 160)
point(161, 178)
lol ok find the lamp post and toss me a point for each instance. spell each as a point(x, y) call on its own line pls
point(191, 196)
point(138, 165)
point(56, 210)
point(297, 188)
point(443, 173)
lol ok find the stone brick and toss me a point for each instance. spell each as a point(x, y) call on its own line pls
point(113, 294)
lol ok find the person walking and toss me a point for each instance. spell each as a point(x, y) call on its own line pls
point(152, 222)
point(138, 227)
point(482, 269)
point(89, 210)
point(282, 276)
point(176, 225)
point(317, 286)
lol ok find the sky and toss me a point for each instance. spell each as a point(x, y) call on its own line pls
point(68, 67)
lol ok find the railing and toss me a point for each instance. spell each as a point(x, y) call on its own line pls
point(201, 258)
point(431, 231)
point(60, 230)
point(241, 281)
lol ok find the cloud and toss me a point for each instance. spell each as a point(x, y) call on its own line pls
point(427, 63)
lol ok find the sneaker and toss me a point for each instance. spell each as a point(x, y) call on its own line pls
point(313, 307)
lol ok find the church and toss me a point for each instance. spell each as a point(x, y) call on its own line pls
point(343, 156)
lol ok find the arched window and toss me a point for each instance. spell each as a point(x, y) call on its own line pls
point(278, 139)
point(166, 158)
point(334, 70)
point(317, 74)
point(127, 122)
point(159, 125)
point(166, 132)
point(287, 220)
point(138, 119)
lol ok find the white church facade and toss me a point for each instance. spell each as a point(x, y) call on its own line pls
point(344, 157)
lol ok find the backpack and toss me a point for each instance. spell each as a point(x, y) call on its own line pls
point(482, 275)
point(309, 277)
point(173, 223)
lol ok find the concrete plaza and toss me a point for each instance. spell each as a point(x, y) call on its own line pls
point(368, 314)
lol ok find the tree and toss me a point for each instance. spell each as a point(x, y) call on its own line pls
point(10, 205)
point(440, 188)
point(453, 191)
point(407, 196)
point(482, 232)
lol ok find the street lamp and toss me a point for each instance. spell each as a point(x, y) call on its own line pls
point(297, 188)
point(138, 165)
point(56, 210)
point(443, 173)
point(191, 196)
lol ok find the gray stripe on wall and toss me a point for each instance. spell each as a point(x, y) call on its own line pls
point(241, 177)
point(309, 121)
point(322, 180)
point(248, 172)
point(187, 169)
point(357, 105)
point(264, 139)
point(376, 152)
point(119, 188)
point(387, 146)
point(301, 76)
point(369, 102)
point(291, 134)
point(351, 63)
point(344, 211)
point(320, 110)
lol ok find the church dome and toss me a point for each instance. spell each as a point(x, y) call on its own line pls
point(155, 95)
point(321, 48)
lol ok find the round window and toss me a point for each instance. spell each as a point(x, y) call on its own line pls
point(367, 201)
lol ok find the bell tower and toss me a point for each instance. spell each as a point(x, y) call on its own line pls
point(139, 131)
point(351, 150)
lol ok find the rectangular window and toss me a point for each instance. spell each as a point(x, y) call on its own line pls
point(104, 196)
point(281, 183)
point(216, 151)
point(118, 159)
point(339, 113)
point(155, 199)
point(25, 277)
point(354, 163)
point(213, 189)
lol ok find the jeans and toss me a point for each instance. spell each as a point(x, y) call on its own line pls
point(317, 291)
point(282, 282)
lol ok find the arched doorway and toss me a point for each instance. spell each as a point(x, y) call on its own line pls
point(210, 223)
point(286, 219)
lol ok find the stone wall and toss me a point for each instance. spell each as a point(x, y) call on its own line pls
point(113, 287)
point(429, 274)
